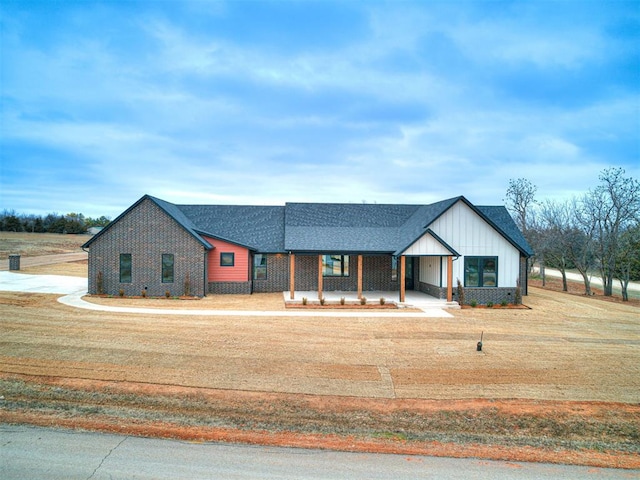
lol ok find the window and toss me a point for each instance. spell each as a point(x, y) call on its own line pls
point(167, 268)
point(335, 265)
point(394, 269)
point(227, 259)
point(259, 266)
point(125, 268)
point(481, 271)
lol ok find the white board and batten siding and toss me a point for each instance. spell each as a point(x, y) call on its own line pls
point(470, 235)
point(430, 252)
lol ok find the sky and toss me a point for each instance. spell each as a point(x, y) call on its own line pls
point(262, 103)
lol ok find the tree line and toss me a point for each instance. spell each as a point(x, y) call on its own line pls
point(598, 231)
point(10, 221)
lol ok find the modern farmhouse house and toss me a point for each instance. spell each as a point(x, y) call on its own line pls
point(160, 249)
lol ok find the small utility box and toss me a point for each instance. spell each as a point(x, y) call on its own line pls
point(14, 262)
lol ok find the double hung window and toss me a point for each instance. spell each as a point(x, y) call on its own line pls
point(259, 266)
point(125, 268)
point(167, 268)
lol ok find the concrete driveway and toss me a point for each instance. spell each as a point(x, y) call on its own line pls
point(20, 282)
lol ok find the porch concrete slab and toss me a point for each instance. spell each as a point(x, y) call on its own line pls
point(412, 299)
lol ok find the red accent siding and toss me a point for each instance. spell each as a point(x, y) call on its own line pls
point(240, 270)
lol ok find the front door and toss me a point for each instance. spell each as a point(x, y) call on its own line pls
point(408, 274)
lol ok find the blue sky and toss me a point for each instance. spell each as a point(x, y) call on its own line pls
point(256, 102)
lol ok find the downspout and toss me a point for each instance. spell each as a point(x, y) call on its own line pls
point(206, 272)
point(251, 266)
point(454, 259)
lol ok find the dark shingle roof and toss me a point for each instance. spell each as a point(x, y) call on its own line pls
point(324, 227)
point(417, 225)
point(259, 228)
point(179, 217)
point(344, 227)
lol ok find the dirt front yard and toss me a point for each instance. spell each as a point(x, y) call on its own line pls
point(558, 382)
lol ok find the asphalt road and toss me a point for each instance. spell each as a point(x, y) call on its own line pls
point(595, 280)
point(31, 452)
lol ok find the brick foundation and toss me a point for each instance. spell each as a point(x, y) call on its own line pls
point(226, 288)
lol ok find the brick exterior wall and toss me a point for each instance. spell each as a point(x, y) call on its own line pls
point(146, 232)
point(277, 275)
point(306, 272)
point(524, 275)
point(376, 275)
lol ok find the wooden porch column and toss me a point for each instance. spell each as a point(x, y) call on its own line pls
point(359, 276)
point(319, 277)
point(402, 279)
point(292, 275)
point(449, 278)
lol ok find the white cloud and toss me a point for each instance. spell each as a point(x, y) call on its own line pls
point(199, 115)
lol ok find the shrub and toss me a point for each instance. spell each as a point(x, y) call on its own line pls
point(460, 293)
point(473, 303)
point(121, 292)
point(342, 300)
point(382, 301)
point(187, 285)
point(323, 301)
point(489, 304)
point(504, 303)
point(304, 300)
point(363, 300)
point(167, 294)
point(100, 283)
point(144, 293)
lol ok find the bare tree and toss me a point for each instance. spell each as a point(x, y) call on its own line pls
point(552, 233)
point(628, 260)
point(520, 197)
point(566, 242)
point(610, 209)
point(580, 249)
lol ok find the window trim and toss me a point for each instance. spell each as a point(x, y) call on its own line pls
point(124, 269)
point(165, 265)
point(342, 273)
point(481, 274)
point(227, 259)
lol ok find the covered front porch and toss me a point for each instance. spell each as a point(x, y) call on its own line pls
point(402, 271)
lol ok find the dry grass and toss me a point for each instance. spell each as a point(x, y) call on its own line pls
point(71, 269)
point(543, 425)
point(35, 244)
point(564, 348)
